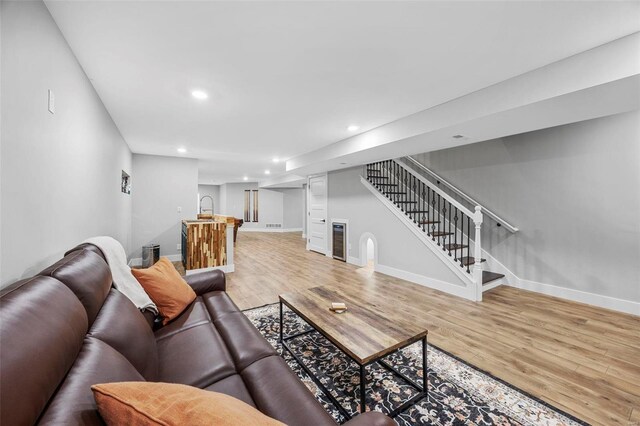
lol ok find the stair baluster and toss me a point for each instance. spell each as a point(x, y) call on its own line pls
point(468, 242)
point(449, 227)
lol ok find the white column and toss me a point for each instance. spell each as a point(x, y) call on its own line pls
point(229, 267)
point(477, 254)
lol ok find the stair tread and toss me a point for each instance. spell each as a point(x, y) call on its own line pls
point(441, 233)
point(488, 276)
point(455, 246)
point(405, 202)
point(393, 192)
point(418, 211)
point(387, 184)
point(428, 222)
point(378, 177)
point(466, 260)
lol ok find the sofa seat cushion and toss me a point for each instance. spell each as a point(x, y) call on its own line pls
point(233, 386)
point(244, 341)
point(122, 326)
point(270, 382)
point(195, 314)
point(219, 303)
point(97, 362)
point(196, 356)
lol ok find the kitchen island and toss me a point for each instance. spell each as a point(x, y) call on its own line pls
point(207, 244)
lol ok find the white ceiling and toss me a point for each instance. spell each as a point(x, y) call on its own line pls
point(286, 78)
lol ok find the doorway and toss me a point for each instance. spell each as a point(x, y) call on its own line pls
point(370, 252)
point(317, 213)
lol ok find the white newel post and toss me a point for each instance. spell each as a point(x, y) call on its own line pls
point(477, 266)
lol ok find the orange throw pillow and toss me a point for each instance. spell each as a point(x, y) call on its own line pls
point(166, 288)
point(168, 404)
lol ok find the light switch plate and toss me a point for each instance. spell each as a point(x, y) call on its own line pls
point(179, 209)
point(51, 102)
point(179, 247)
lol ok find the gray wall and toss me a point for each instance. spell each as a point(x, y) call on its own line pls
point(397, 247)
point(223, 200)
point(60, 173)
point(293, 208)
point(270, 204)
point(159, 186)
point(573, 191)
point(214, 192)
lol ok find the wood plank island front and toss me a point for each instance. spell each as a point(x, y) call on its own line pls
point(205, 244)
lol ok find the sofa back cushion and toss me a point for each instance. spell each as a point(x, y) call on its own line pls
point(89, 247)
point(42, 327)
point(148, 315)
point(74, 403)
point(87, 275)
point(122, 326)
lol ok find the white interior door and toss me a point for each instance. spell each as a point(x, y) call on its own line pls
point(317, 223)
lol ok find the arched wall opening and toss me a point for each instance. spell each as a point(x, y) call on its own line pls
point(368, 250)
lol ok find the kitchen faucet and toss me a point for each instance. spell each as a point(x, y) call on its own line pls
point(211, 198)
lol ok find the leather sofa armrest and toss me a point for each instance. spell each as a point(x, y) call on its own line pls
point(371, 418)
point(204, 282)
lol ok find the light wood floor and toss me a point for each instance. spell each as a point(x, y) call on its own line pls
point(581, 359)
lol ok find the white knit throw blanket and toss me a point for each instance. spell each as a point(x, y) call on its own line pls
point(123, 280)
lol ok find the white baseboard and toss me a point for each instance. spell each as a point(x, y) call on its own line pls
point(137, 261)
point(270, 230)
point(620, 305)
point(456, 290)
point(354, 260)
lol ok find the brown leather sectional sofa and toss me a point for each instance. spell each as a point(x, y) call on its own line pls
point(67, 328)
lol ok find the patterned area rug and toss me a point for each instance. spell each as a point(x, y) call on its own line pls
point(459, 394)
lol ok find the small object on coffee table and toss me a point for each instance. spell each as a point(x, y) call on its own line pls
point(338, 307)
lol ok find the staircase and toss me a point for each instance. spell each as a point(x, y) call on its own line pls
point(451, 229)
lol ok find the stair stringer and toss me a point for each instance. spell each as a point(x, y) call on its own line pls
point(470, 290)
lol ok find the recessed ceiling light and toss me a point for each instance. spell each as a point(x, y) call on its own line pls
point(199, 94)
point(353, 128)
point(276, 160)
point(267, 172)
point(182, 150)
point(245, 178)
point(457, 136)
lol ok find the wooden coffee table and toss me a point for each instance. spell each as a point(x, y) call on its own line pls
point(373, 327)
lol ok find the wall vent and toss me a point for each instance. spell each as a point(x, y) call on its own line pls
point(274, 225)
